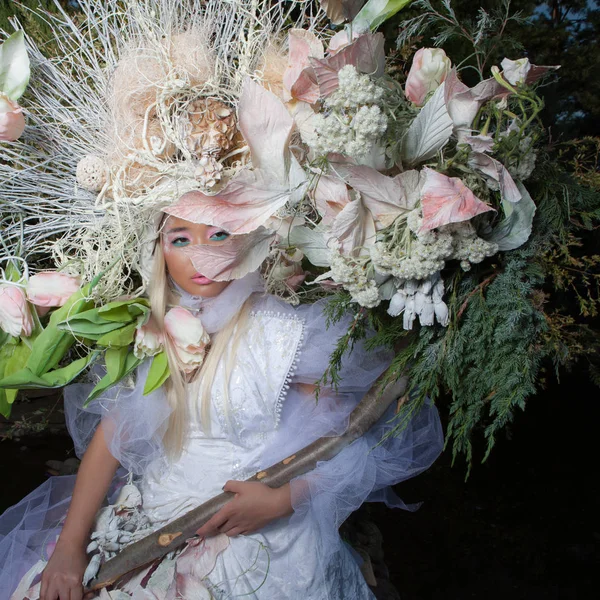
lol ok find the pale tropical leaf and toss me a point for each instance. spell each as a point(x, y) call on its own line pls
point(313, 243)
point(514, 230)
point(447, 200)
point(429, 132)
point(246, 203)
point(236, 257)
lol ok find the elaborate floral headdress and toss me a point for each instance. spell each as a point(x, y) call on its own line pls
point(251, 116)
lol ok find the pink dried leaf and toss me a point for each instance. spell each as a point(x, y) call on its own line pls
point(236, 257)
point(330, 195)
point(246, 203)
point(366, 54)
point(464, 102)
point(266, 126)
point(447, 200)
point(302, 44)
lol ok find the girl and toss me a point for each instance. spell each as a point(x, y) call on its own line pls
point(249, 405)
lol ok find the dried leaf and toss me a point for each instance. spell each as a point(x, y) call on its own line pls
point(354, 228)
point(236, 257)
point(447, 200)
point(366, 54)
point(495, 170)
point(339, 11)
point(384, 197)
point(302, 44)
point(330, 195)
point(246, 203)
point(514, 230)
point(429, 132)
point(313, 243)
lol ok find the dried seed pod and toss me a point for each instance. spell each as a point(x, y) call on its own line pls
point(210, 127)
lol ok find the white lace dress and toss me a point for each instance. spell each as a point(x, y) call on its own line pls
point(268, 417)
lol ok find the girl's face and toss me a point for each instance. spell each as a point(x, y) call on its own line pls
point(177, 235)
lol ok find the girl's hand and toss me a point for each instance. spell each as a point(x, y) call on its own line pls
point(254, 506)
point(62, 578)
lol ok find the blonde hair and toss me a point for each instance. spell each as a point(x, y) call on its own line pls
point(176, 387)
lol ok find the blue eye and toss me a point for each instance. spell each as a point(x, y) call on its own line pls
point(219, 236)
point(180, 242)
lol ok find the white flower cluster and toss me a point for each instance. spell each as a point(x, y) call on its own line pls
point(426, 256)
point(354, 90)
point(468, 248)
point(422, 299)
point(352, 276)
point(355, 122)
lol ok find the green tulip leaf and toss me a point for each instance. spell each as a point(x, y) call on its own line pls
point(116, 359)
point(158, 373)
point(26, 379)
point(376, 12)
point(14, 66)
point(120, 337)
point(52, 343)
point(15, 363)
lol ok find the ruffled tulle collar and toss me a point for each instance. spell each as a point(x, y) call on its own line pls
point(216, 312)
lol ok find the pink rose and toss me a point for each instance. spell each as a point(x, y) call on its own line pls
point(12, 119)
point(429, 69)
point(15, 317)
point(51, 289)
point(148, 341)
point(189, 337)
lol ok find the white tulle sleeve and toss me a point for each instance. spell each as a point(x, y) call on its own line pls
point(363, 471)
point(134, 424)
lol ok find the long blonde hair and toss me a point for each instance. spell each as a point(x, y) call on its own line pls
point(176, 387)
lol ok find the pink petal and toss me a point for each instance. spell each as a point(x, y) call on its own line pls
point(245, 203)
point(447, 200)
point(236, 257)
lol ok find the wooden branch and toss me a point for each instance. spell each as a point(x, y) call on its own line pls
point(153, 547)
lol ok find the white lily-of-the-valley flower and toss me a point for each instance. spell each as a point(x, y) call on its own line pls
point(420, 299)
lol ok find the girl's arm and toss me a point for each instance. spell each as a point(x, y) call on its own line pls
point(62, 578)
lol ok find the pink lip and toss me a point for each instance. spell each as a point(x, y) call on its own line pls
point(201, 279)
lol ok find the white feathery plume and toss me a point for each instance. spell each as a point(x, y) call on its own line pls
point(75, 105)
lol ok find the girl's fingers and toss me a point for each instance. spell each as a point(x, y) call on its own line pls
point(213, 525)
point(234, 531)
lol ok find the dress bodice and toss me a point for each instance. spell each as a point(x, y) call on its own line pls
point(249, 388)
